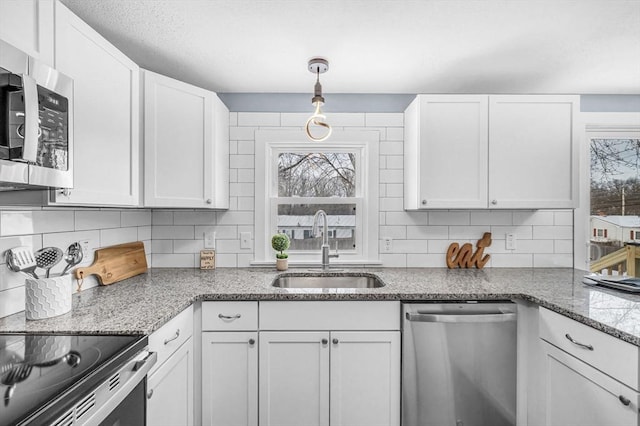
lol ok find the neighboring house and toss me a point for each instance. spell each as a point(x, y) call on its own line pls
point(299, 227)
point(610, 229)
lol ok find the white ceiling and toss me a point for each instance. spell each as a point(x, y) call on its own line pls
point(381, 46)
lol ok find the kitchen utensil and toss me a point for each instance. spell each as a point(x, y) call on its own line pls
point(17, 374)
point(73, 257)
point(116, 263)
point(21, 259)
point(47, 258)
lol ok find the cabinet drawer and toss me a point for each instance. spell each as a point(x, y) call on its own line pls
point(330, 316)
point(229, 316)
point(167, 339)
point(608, 354)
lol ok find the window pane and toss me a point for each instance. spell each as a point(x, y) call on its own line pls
point(331, 174)
point(615, 197)
point(296, 220)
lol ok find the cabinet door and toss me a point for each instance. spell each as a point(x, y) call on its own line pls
point(178, 143)
point(294, 379)
point(28, 25)
point(365, 378)
point(170, 390)
point(578, 394)
point(106, 114)
point(533, 151)
point(230, 378)
point(451, 149)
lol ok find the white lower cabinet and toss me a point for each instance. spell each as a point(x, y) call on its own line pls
point(590, 378)
point(578, 394)
point(170, 386)
point(230, 378)
point(170, 390)
point(347, 376)
point(230, 363)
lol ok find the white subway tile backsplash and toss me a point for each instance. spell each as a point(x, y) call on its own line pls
point(384, 119)
point(394, 162)
point(410, 246)
point(428, 232)
point(223, 232)
point(521, 232)
point(226, 260)
point(343, 119)
point(179, 260)
point(242, 133)
point(391, 204)
point(395, 232)
point(556, 260)
point(563, 246)
point(172, 232)
point(135, 218)
point(162, 217)
point(161, 246)
point(33, 241)
point(426, 260)
point(188, 246)
point(405, 218)
point(563, 217)
point(246, 175)
point(110, 237)
point(511, 260)
point(552, 232)
point(293, 119)
point(96, 219)
point(242, 189)
point(233, 119)
point(391, 176)
point(394, 260)
point(534, 246)
point(246, 147)
point(467, 232)
point(449, 218)
point(246, 204)
point(241, 161)
point(35, 221)
point(144, 233)
point(537, 217)
point(391, 148)
point(271, 119)
point(206, 217)
point(11, 301)
point(491, 217)
point(395, 190)
point(395, 134)
point(235, 218)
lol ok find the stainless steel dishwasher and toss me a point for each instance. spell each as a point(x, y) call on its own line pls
point(459, 364)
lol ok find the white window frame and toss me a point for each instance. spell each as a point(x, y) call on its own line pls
point(597, 125)
point(269, 143)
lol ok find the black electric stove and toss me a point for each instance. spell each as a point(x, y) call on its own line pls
point(40, 374)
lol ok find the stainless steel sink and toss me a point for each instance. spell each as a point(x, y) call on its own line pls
point(327, 281)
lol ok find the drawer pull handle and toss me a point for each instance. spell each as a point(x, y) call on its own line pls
point(582, 345)
point(252, 342)
point(173, 338)
point(229, 317)
point(624, 400)
point(150, 394)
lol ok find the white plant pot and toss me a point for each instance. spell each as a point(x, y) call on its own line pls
point(282, 264)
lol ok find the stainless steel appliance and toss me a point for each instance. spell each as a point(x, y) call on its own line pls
point(459, 364)
point(36, 110)
point(66, 380)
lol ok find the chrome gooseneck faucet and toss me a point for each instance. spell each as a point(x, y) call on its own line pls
point(325, 238)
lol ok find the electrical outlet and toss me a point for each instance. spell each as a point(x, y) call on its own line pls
point(387, 244)
point(245, 240)
point(510, 242)
point(210, 240)
point(84, 244)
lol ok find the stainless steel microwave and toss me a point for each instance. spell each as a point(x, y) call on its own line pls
point(36, 117)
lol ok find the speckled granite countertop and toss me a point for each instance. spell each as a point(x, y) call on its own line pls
point(142, 304)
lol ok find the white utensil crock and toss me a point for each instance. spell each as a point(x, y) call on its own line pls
point(47, 297)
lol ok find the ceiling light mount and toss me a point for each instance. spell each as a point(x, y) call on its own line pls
point(318, 66)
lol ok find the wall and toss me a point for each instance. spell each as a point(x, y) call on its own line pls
point(59, 227)
point(420, 239)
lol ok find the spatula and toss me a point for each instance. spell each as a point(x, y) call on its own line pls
point(21, 259)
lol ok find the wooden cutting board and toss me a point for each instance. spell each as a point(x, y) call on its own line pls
point(116, 263)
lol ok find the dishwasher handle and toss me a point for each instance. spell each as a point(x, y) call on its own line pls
point(458, 318)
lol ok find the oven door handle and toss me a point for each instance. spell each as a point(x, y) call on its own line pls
point(31, 117)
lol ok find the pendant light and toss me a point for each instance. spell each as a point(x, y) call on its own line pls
point(318, 66)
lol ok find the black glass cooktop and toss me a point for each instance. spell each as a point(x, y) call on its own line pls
point(39, 370)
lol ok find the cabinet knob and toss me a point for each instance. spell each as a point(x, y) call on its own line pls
point(335, 341)
point(324, 341)
point(149, 393)
point(624, 400)
point(494, 202)
point(424, 202)
point(252, 342)
point(209, 201)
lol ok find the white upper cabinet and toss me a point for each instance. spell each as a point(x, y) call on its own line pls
point(106, 115)
point(28, 25)
point(491, 151)
point(445, 156)
point(532, 148)
point(186, 145)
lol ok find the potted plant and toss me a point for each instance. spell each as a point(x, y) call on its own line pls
point(280, 242)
